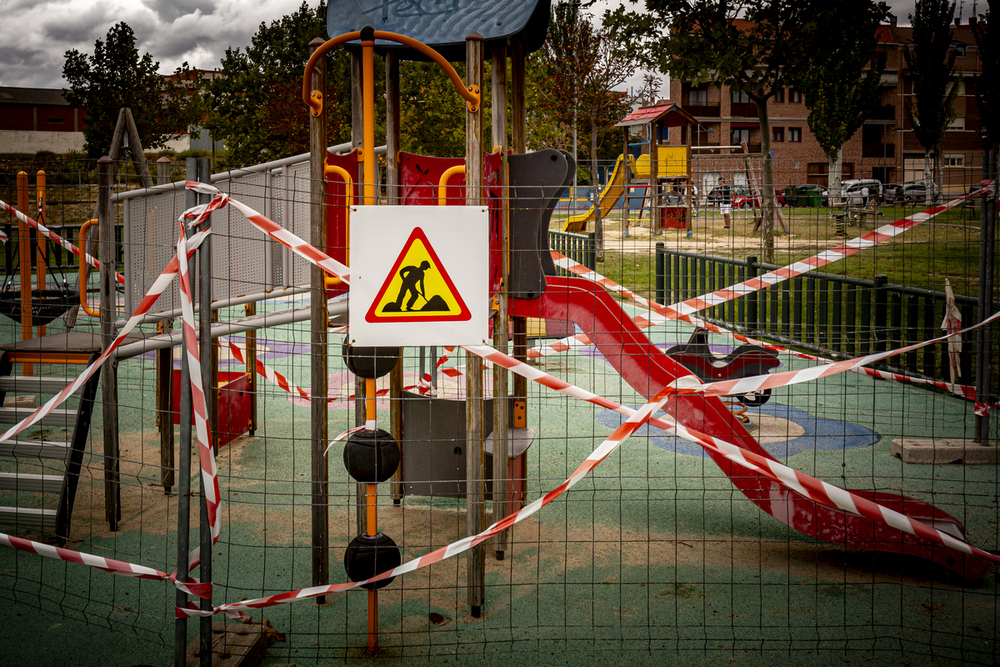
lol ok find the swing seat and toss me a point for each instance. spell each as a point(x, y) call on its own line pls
point(46, 304)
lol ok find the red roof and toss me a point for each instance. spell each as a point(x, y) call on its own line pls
point(668, 115)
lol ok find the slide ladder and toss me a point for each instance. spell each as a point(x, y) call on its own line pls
point(40, 477)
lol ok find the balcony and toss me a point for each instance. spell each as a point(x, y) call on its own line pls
point(743, 110)
point(710, 110)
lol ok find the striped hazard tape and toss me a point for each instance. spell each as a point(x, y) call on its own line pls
point(685, 310)
point(581, 340)
point(52, 236)
point(820, 492)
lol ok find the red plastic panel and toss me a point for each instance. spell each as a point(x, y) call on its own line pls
point(646, 369)
point(420, 176)
point(336, 209)
point(234, 404)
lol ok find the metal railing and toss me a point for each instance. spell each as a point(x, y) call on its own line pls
point(829, 314)
point(578, 247)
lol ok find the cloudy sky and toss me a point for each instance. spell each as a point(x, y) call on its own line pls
point(35, 34)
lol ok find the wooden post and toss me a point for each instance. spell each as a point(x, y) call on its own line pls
point(518, 138)
point(109, 379)
point(501, 418)
point(392, 195)
point(319, 412)
point(24, 264)
point(626, 180)
point(474, 468)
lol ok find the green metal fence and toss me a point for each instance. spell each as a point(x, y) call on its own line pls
point(578, 247)
point(829, 314)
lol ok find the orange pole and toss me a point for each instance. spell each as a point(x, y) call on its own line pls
point(368, 147)
point(83, 270)
point(371, 527)
point(24, 259)
point(40, 262)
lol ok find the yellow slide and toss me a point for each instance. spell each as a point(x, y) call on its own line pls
point(609, 197)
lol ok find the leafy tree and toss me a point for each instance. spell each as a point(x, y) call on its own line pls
point(584, 65)
point(930, 61)
point(839, 93)
point(988, 81)
point(432, 113)
point(116, 76)
point(257, 107)
point(755, 46)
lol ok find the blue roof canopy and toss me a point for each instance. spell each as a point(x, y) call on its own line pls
point(442, 24)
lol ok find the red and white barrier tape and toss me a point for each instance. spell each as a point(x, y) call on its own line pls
point(684, 310)
point(52, 236)
point(206, 453)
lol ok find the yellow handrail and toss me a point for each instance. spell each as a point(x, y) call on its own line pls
point(83, 268)
point(349, 184)
point(443, 185)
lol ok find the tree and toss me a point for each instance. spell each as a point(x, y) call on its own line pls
point(754, 46)
point(930, 61)
point(988, 81)
point(257, 107)
point(584, 65)
point(839, 93)
point(116, 76)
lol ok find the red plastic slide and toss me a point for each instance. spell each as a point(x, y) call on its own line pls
point(647, 370)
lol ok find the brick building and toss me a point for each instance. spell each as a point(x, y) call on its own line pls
point(37, 119)
point(884, 148)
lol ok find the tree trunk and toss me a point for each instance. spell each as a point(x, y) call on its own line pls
point(598, 222)
point(835, 170)
point(928, 178)
point(767, 221)
point(939, 163)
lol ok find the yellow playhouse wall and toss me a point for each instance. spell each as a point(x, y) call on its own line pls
point(672, 162)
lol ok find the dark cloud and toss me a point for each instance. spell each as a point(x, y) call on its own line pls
point(77, 26)
point(169, 10)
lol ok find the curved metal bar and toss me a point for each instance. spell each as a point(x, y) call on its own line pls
point(84, 228)
point(314, 98)
point(443, 185)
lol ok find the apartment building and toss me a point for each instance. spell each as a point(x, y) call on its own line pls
point(884, 148)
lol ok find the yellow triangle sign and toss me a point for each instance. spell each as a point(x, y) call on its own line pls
point(418, 288)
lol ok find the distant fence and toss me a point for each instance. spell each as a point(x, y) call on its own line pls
point(830, 314)
point(578, 247)
point(57, 258)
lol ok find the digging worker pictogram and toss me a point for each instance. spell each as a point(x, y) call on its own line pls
point(411, 276)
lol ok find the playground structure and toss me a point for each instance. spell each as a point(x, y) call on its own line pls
point(525, 287)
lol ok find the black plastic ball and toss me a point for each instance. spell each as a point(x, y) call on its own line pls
point(371, 457)
point(370, 362)
point(368, 555)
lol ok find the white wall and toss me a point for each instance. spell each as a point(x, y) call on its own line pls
point(27, 141)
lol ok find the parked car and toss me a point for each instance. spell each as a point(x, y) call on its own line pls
point(890, 192)
point(850, 190)
point(915, 192)
point(738, 196)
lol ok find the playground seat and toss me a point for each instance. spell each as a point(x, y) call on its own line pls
point(47, 467)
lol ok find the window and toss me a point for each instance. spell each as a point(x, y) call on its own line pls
point(777, 134)
point(958, 123)
point(739, 97)
point(739, 134)
point(954, 159)
point(779, 95)
point(697, 96)
point(794, 96)
point(795, 134)
point(57, 121)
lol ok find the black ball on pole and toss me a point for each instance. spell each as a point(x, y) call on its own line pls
point(368, 555)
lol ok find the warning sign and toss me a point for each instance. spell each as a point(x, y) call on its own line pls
point(419, 275)
point(418, 288)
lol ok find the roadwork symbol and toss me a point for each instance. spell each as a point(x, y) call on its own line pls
point(418, 288)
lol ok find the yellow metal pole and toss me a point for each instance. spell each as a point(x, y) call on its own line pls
point(24, 259)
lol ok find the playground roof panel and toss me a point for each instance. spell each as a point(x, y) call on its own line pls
point(442, 24)
point(667, 115)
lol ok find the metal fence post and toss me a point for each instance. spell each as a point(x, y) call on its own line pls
point(660, 280)
point(753, 300)
point(987, 231)
point(880, 311)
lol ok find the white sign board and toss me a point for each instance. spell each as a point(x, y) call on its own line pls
point(419, 275)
